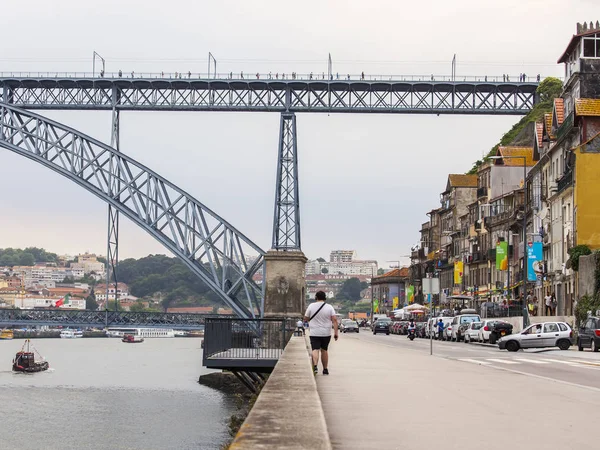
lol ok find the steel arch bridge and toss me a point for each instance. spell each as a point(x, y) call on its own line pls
point(212, 248)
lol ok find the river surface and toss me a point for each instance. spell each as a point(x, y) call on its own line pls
point(104, 394)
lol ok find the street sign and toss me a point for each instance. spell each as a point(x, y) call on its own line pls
point(431, 285)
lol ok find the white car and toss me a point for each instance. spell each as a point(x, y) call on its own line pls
point(538, 335)
point(472, 332)
point(485, 330)
point(457, 321)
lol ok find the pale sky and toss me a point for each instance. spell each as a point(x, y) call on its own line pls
point(366, 181)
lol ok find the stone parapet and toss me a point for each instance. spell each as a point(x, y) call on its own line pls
point(288, 413)
point(285, 287)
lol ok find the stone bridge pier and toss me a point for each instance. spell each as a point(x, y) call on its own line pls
point(285, 288)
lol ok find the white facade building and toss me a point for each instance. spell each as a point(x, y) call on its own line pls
point(31, 303)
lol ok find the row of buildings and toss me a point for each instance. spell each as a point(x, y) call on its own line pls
point(528, 205)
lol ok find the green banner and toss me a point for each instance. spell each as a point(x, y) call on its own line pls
point(375, 306)
point(502, 255)
point(410, 294)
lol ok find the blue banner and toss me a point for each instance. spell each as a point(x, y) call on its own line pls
point(534, 260)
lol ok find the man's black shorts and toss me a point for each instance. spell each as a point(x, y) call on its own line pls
point(320, 342)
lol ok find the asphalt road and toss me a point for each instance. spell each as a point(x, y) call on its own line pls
point(570, 366)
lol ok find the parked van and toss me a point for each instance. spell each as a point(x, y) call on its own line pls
point(464, 318)
point(433, 328)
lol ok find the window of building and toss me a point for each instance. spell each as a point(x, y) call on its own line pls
point(591, 46)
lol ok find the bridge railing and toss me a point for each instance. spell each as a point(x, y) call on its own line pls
point(281, 76)
point(100, 319)
point(232, 342)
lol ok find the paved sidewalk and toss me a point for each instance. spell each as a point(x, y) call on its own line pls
point(380, 396)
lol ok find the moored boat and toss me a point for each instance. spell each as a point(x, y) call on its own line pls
point(71, 334)
point(6, 334)
point(25, 360)
point(131, 339)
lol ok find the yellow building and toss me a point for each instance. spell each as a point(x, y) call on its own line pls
point(587, 170)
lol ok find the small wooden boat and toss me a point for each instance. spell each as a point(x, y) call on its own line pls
point(25, 360)
point(131, 339)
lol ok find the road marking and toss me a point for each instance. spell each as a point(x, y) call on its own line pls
point(588, 363)
point(474, 361)
point(560, 362)
point(501, 361)
point(531, 361)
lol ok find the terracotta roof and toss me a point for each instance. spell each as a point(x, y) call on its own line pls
point(403, 272)
point(548, 125)
point(559, 110)
point(458, 180)
point(515, 151)
point(573, 44)
point(587, 107)
point(539, 132)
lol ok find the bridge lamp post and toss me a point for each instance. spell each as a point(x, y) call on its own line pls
point(94, 56)
point(524, 158)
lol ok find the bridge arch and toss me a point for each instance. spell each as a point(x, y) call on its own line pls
point(214, 250)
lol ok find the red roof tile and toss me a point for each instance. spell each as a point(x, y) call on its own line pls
point(559, 110)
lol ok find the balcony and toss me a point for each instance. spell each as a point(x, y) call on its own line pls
point(566, 127)
point(565, 181)
point(482, 192)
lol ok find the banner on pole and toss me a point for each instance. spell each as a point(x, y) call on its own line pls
point(410, 294)
point(534, 260)
point(458, 272)
point(502, 255)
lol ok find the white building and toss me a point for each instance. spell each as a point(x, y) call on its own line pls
point(313, 267)
point(122, 292)
point(88, 263)
point(31, 303)
point(342, 256)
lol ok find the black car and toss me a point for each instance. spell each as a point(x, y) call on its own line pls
point(382, 326)
point(589, 335)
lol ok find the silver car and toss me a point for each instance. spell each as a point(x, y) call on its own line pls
point(539, 335)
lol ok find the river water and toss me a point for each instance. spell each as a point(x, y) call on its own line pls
point(104, 394)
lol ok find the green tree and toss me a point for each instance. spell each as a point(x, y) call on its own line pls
point(90, 302)
point(380, 272)
point(137, 307)
point(549, 89)
point(575, 253)
point(351, 289)
point(324, 270)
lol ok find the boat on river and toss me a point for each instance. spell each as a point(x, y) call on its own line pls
point(131, 339)
point(141, 332)
point(25, 360)
point(71, 334)
point(6, 335)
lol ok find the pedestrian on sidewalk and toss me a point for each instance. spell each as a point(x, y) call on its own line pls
point(300, 327)
point(548, 300)
point(440, 326)
point(322, 318)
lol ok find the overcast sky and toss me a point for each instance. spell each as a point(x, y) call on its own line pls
point(366, 180)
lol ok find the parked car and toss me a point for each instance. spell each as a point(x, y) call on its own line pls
point(394, 328)
point(589, 335)
point(499, 329)
point(539, 335)
point(472, 332)
point(486, 329)
point(456, 333)
point(382, 326)
point(350, 326)
point(343, 323)
point(421, 329)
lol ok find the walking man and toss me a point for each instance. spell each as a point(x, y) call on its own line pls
point(322, 318)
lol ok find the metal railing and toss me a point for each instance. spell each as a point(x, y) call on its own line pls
point(565, 181)
point(246, 339)
point(283, 76)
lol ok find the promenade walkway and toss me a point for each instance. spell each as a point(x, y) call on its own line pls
point(382, 395)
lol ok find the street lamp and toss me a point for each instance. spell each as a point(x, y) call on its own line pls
point(524, 158)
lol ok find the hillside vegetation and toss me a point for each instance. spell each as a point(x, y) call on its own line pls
point(547, 91)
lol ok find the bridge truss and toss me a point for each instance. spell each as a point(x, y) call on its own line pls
point(176, 219)
point(214, 250)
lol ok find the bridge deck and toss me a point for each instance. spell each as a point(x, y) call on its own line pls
point(475, 96)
